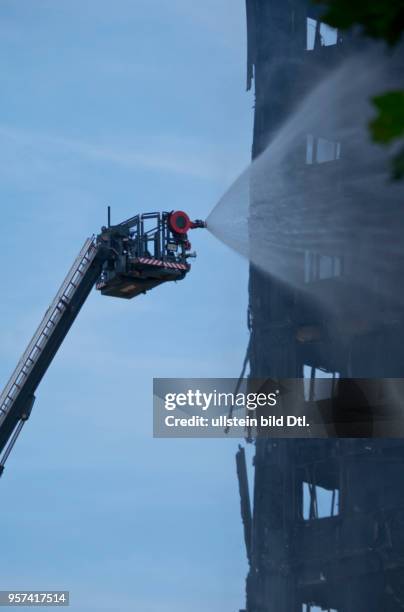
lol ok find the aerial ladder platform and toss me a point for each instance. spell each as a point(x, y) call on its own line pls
point(123, 261)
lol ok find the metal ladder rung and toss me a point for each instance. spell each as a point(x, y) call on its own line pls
point(51, 320)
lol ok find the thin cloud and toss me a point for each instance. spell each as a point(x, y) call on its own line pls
point(45, 145)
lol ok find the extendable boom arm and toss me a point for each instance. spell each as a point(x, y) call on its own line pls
point(123, 261)
point(18, 395)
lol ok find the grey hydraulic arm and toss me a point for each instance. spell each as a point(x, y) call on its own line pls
point(18, 396)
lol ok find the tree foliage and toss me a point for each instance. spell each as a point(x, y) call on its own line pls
point(380, 19)
point(389, 123)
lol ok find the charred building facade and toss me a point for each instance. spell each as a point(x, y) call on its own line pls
point(326, 530)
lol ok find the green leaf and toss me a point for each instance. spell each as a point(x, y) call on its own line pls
point(382, 19)
point(378, 18)
point(389, 122)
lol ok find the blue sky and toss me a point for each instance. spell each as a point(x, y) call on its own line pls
point(141, 106)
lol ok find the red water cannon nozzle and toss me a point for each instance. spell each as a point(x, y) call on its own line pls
point(180, 223)
point(198, 223)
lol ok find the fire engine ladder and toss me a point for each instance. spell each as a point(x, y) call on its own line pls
point(17, 398)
